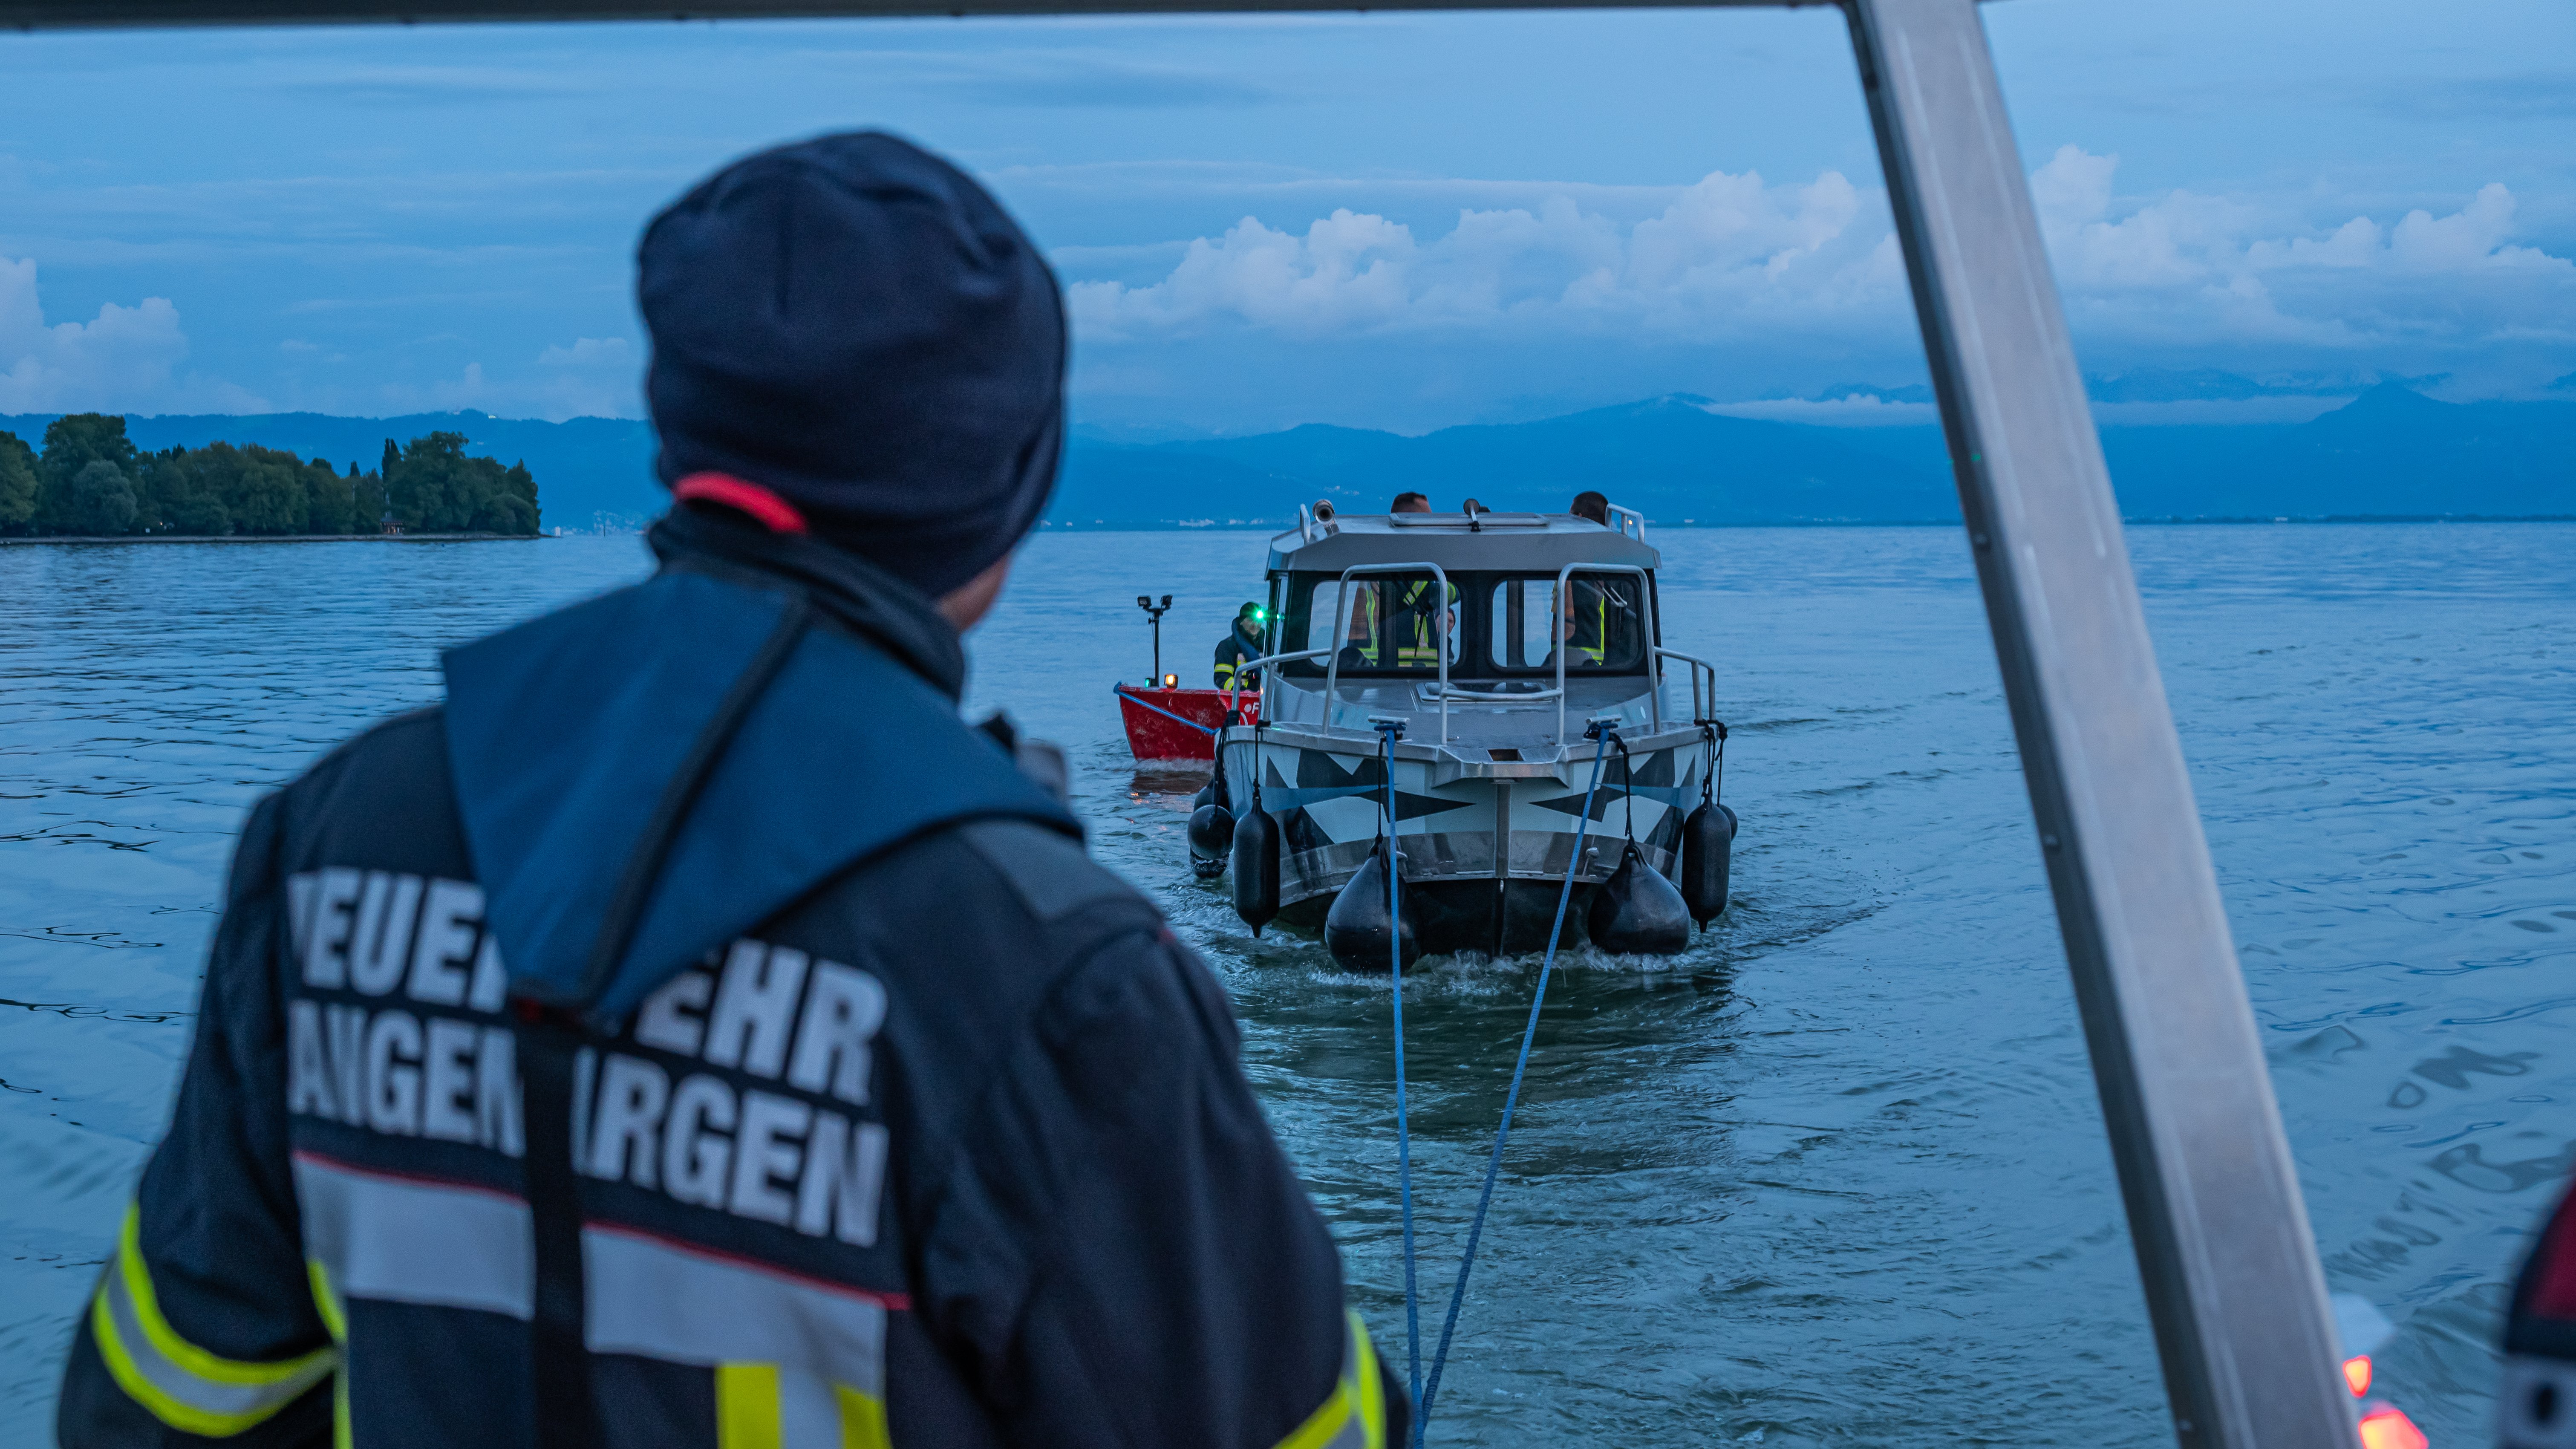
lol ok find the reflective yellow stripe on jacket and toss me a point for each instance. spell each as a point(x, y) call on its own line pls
point(1598, 650)
point(1423, 627)
point(335, 1317)
point(762, 1406)
point(1353, 1416)
point(184, 1386)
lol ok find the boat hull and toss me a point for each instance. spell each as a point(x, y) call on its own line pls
point(1486, 847)
point(1154, 734)
point(1494, 918)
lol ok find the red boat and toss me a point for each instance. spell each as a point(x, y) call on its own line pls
point(1179, 724)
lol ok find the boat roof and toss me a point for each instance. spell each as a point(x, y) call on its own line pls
point(1514, 542)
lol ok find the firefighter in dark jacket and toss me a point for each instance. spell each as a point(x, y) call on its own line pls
point(691, 1032)
point(1241, 644)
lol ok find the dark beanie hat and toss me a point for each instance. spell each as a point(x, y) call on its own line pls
point(855, 325)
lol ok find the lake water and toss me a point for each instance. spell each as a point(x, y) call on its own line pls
point(1834, 1176)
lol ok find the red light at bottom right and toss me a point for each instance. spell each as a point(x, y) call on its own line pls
point(2389, 1428)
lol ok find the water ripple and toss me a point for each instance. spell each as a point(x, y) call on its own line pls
point(1834, 1175)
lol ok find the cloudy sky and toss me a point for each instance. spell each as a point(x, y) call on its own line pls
point(1398, 221)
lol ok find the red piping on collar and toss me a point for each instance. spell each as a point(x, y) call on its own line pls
point(773, 512)
point(2556, 1293)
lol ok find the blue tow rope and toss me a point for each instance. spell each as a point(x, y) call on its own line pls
point(1422, 1395)
point(1403, 1136)
point(1121, 691)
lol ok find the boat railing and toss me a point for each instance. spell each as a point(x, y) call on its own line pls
point(1703, 711)
point(1624, 519)
point(1565, 646)
point(1234, 692)
point(1439, 643)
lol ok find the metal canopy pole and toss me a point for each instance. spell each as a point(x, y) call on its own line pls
point(2230, 1267)
point(110, 14)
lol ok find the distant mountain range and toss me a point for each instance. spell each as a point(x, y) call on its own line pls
point(1670, 458)
point(2390, 452)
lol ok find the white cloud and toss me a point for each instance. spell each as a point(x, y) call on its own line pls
point(1736, 258)
point(1840, 412)
point(1726, 251)
point(590, 352)
point(593, 377)
point(2186, 267)
point(124, 360)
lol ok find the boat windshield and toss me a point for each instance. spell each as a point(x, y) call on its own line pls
point(1390, 623)
point(1490, 624)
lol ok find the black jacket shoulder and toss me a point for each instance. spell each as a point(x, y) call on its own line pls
point(382, 799)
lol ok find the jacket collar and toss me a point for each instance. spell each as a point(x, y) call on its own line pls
point(856, 594)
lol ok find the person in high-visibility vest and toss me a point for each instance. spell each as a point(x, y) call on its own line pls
point(1421, 627)
point(1586, 606)
point(1595, 612)
point(1240, 643)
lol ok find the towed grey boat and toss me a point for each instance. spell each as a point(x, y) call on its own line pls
point(1494, 649)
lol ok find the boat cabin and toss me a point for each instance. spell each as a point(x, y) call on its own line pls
point(1490, 631)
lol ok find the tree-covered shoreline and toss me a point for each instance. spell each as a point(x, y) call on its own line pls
point(89, 480)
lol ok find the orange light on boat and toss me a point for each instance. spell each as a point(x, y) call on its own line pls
point(1171, 681)
point(2356, 1374)
point(2391, 1429)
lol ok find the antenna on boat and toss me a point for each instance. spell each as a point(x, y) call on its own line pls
point(1154, 612)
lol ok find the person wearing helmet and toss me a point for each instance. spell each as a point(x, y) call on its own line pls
point(1242, 642)
point(691, 1032)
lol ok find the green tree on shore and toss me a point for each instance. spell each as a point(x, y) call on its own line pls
point(71, 445)
point(435, 487)
point(101, 498)
point(370, 505)
point(91, 480)
point(17, 484)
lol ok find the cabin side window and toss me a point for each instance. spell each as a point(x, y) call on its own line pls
point(1599, 616)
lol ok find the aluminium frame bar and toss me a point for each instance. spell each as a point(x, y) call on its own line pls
point(1342, 633)
point(172, 14)
point(2229, 1263)
point(2227, 1259)
point(1564, 642)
